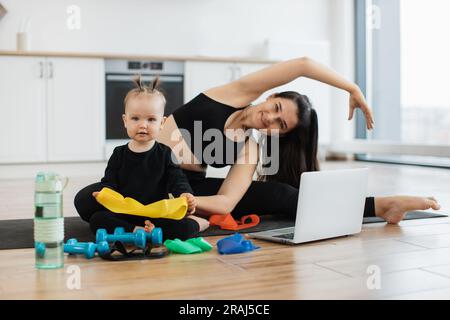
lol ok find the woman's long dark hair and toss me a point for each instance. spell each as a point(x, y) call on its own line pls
point(297, 148)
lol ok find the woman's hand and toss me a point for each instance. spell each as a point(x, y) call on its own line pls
point(357, 101)
point(192, 203)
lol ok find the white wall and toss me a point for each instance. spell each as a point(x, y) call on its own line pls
point(210, 27)
point(235, 28)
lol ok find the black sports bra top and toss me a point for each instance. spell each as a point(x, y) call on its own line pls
point(210, 147)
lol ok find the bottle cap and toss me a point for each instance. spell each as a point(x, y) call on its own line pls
point(48, 182)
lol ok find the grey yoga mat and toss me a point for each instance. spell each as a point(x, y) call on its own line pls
point(18, 234)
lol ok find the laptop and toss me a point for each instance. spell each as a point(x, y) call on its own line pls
point(330, 205)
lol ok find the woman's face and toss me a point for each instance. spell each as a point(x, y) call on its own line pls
point(274, 116)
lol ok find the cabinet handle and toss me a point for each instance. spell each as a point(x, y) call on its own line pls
point(239, 72)
point(232, 71)
point(50, 66)
point(41, 70)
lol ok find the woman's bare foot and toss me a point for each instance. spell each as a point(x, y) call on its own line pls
point(394, 209)
point(203, 223)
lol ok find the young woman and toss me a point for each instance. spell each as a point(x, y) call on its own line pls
point(288, 115)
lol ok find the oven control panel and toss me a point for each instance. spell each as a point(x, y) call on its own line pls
point(144, 67)
point(151, 65)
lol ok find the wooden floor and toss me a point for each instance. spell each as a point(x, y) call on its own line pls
point(413, 258)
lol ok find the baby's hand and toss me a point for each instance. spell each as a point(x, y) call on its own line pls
point(95, 194)
point(192, 203)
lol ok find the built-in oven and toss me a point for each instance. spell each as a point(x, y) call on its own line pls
point(119, 80)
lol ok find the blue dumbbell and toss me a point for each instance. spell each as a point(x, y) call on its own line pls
point(87, 248)
point(40, 249)
point(155, 237)
point(103, 247)
point(119, 230)
point(139, 239)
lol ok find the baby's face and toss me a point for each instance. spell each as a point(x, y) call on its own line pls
point(143, 118)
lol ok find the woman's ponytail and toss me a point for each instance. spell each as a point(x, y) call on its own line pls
point(312, 162)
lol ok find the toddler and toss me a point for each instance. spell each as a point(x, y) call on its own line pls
point(144, 170)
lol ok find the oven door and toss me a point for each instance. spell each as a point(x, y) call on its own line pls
point(117, 87)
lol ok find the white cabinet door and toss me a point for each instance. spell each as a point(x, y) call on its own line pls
point(243, 69)
point(201, 76)
point(76, 90)
point(22, 109)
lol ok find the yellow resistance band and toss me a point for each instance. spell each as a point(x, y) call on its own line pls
point(169, 209)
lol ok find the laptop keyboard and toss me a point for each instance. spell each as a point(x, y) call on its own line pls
point(285, 236)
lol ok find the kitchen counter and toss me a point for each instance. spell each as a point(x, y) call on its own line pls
point(134, 57)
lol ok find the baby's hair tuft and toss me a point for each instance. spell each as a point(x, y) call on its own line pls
point(142, 88)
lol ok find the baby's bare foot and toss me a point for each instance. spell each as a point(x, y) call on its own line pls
point(394, 209)
point(149, 226)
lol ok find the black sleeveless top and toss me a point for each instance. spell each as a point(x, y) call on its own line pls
point(198, 116)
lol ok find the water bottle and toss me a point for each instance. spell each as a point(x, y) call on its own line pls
point(49, 221)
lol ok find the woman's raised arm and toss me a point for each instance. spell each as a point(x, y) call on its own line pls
point(247, 89)
point(284, 72)
point(244, 91)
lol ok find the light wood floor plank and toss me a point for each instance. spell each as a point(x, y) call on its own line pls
point(393, 284)
point(414, 257)
point(442, 270)
point(430, 242)
point(390, 263)
point(440, 294)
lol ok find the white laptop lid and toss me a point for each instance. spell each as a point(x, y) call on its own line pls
point(330, 204)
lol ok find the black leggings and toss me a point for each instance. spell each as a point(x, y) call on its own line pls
point(262, 198)
point(99, 217)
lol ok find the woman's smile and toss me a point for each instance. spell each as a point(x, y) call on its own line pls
point(263, 120)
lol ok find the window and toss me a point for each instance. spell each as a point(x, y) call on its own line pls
point(403, 67)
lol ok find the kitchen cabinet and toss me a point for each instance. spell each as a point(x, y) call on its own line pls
point(201, 76)
point(23, 110)
point(76, 125)
point(52, 109)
